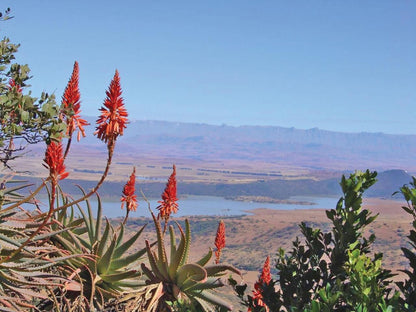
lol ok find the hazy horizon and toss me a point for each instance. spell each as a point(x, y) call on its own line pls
point(130, 119)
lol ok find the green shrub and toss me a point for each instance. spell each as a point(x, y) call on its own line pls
point(327, 270)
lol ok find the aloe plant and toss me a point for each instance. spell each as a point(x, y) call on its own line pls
point(27, 275)
point(105, 269)
point(170, 280)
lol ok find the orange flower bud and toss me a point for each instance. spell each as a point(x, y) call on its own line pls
point(168, 204)
point(128, 193)
point(113, 119)
point(219, 241)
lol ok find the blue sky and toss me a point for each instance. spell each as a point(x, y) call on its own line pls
point(336, 65)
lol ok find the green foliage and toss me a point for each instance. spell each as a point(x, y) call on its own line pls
point(322, 259)
point(367, 292)
point(21, 115)
point(349, 219)
point(408, 287)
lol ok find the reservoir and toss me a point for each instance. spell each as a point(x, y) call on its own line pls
point(193, 205)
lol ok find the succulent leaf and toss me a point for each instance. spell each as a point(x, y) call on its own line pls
point(102, 243)
point(160, 240)
point(213, 299)
point(116, 277)
point(98, 219)
point(205, 259)
point(220, 269)
point(187, 242)
point(153, 260)
point(190, 272)
point(118, 263)
point(103, 263)
point(172, 242)
point(121, 249)
point(177, 255)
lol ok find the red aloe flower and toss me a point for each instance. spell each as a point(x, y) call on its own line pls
point(71, 105)
point(113, 117)
point(265, 276)
point(54, 161)
point(128, 193)
point(169, 204)
point(219, 241)
point(264, 279)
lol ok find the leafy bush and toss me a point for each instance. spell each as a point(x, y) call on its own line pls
point(408, 287)
point(328, 271)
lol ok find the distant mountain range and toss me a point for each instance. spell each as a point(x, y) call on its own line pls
point(388, 182)
point(312, 149)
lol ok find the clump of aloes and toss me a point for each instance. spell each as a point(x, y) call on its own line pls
point(106, 266)
point(174, 280)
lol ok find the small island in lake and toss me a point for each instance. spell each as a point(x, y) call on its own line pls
point(266, 199)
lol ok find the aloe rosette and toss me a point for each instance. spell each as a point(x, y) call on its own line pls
point(26, 269)
point(175, 279)
point(106, 268)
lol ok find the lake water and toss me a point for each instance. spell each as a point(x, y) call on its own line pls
point(211, 205)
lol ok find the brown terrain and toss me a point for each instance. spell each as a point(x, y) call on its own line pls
point(251, 238)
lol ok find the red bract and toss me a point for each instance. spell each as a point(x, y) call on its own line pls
point(70, 111)
point(54, 161)
point(128, 193)
point(219, 241)
point(113, 119)
point(264, 279)
point(169, 204)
